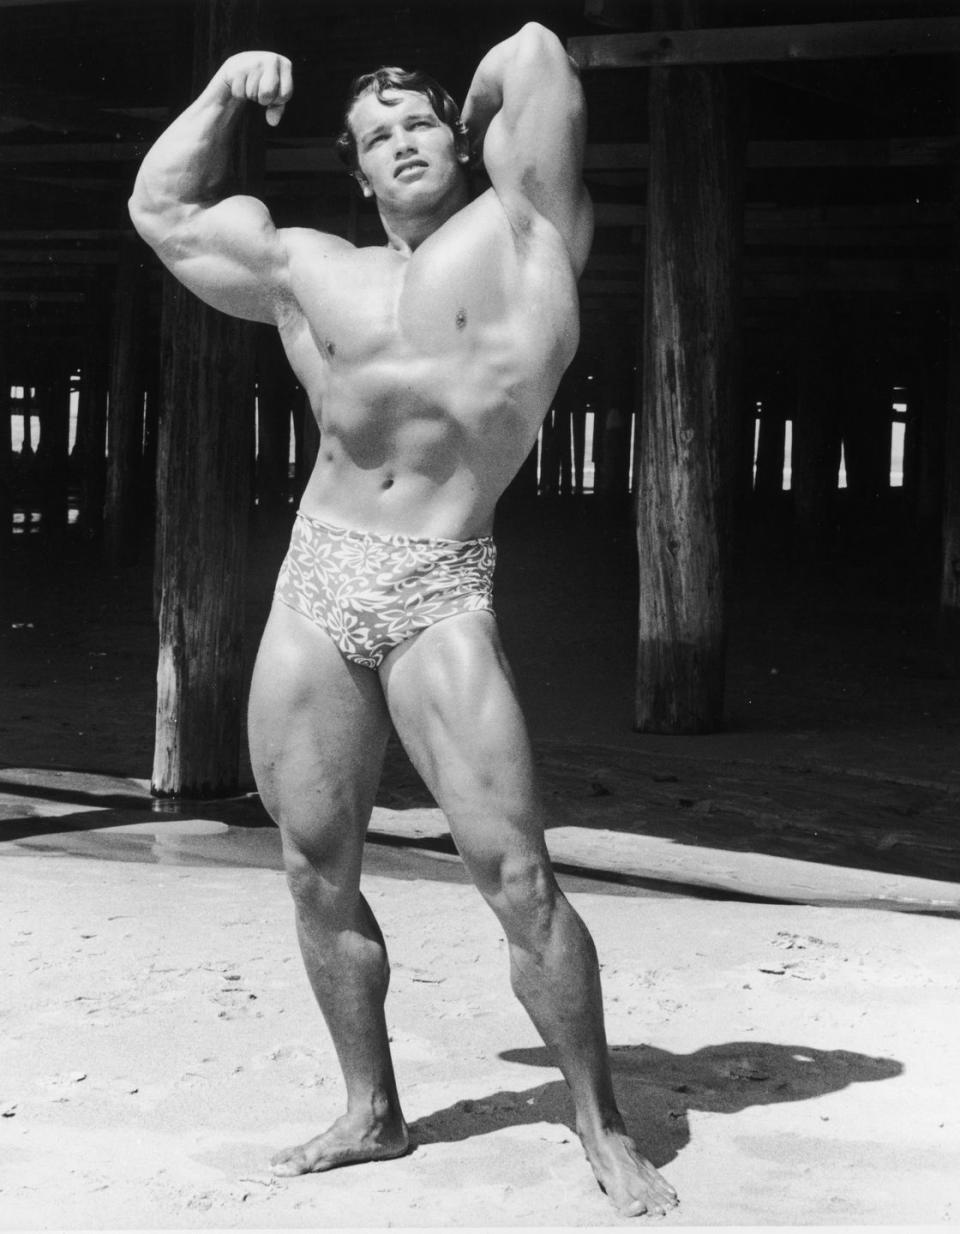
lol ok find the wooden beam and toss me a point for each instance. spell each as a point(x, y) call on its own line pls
point(934, 151)
point(46, 297)
point(781, 280)
point(74, 152)
point(62, 234)
point(894, 152)
point(823, 225)
point(30, 106)
point(760, 44)
point(64, 257)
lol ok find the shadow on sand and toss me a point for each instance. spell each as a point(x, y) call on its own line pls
point(657, 1090)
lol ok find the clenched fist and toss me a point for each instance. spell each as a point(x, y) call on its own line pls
point(262, 77)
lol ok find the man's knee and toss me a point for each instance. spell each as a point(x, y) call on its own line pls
point(323, 879)
point(522, 890)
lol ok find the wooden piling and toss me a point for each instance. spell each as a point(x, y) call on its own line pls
point(694, 221)
point(204, 451)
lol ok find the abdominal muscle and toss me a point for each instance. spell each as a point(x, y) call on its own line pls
point(423, 445)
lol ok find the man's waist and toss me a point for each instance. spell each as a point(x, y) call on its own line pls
point(396, 504)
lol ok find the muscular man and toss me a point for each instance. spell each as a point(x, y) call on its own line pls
point(430, 363)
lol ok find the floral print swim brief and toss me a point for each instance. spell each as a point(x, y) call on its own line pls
point(371, 592)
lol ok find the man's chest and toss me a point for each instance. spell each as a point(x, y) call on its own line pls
point(456, 292)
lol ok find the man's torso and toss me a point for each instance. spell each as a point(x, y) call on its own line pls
point(429, 374)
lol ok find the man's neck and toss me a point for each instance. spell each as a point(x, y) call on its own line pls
point(406, 231)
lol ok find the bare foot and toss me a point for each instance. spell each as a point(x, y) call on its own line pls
point(351, 1139)
point(630, 1181)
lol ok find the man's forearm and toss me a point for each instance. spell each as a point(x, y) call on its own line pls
point(485, 96)
point(511, 65)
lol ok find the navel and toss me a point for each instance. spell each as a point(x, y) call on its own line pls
point(331, 347)
point(387, 482)
point(461, 318)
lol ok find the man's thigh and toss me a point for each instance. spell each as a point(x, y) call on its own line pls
point(318, 727)
point(454, 704)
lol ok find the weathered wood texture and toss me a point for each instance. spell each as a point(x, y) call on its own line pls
point(692, 298)
point(758, 44)
point(204, 465)
point(125, 477)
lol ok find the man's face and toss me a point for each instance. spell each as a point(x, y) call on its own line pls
point(406, 155)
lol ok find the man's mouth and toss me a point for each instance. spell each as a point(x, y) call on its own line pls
point(410, 166)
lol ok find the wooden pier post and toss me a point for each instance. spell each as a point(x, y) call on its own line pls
point(694, 227)
point(204, 452)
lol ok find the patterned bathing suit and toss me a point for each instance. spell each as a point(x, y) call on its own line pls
point(371, 592)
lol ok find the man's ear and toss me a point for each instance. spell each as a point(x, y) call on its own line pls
point(361, 179)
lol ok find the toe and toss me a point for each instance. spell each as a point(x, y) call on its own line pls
point(288, 1163)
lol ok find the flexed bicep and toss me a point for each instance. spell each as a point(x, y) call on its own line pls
point(231, 255)
point(526, 107)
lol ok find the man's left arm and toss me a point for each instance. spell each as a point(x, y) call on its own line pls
point(526, 105)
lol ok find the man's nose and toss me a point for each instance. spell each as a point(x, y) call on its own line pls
point(403, 143)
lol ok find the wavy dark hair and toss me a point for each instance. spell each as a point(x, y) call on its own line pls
point(390, 77)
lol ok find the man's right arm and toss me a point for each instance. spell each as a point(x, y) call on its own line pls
point(224, 249)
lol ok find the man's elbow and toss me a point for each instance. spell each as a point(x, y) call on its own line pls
point(540, 56)
point(152, 222)
point(540, 43)
point(144, 219)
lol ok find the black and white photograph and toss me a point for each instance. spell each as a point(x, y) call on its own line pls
point(479, 614)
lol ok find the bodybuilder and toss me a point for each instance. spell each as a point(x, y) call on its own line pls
point(430, 363)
